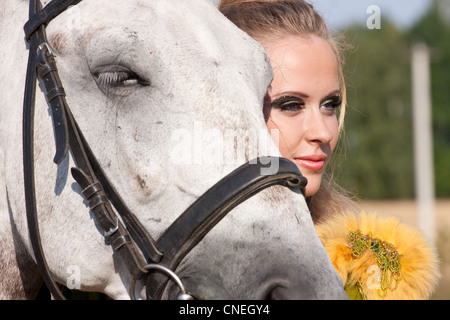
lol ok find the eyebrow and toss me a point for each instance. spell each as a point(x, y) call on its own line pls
point(304, 95)
point(336, 93)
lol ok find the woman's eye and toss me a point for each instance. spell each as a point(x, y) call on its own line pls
point(288, 104)
point(333, 103)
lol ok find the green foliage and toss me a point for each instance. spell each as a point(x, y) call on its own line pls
point(434, 30)
point(376, 153)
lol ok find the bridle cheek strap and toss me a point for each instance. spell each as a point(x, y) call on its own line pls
point(36, 37)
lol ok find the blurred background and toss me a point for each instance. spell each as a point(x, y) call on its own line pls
point(395, 153)
point(394, 158)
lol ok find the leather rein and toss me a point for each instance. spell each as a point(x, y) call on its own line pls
point(141, 253)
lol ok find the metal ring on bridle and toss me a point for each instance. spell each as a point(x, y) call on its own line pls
point(42, 45)
point(183, 294)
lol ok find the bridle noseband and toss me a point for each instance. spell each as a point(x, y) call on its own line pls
point(140, 252)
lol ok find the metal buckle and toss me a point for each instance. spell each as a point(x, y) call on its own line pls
point(46, 45)
point(112, 230)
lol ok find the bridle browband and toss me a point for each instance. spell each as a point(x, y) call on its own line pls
point(139, 251)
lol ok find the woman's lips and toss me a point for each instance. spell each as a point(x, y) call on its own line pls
point(311, 163)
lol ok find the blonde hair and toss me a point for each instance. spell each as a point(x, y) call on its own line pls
point(266, 20)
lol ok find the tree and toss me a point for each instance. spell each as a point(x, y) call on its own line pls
point(377, 155)
point(376, 152)
point(434, 30)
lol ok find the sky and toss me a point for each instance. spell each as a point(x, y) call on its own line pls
point(341, 13)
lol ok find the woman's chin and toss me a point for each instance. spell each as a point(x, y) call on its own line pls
point(312, 187)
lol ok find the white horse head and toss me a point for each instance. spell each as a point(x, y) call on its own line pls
point(169, 96)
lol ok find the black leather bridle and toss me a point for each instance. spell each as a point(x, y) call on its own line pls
point(140, 252)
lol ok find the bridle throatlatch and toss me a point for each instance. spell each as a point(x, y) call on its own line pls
point(143, 256)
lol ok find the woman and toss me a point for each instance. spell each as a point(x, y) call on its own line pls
point(376, 258)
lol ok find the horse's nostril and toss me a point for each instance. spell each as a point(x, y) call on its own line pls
point(286, 292)
point(275, 294)
point(272, 290)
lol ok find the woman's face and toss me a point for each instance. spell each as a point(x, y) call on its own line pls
point(305, 94)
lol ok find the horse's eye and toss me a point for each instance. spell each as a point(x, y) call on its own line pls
point(120, 81)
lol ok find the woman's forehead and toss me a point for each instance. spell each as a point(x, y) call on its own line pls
point(308, 63)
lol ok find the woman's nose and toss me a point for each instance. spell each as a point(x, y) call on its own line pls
point(317, 130)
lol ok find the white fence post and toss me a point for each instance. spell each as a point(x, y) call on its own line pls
point(423, 140)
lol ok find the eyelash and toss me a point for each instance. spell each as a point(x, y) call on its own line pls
point(288, 104)
point(334, 102)
point(119, 79)
point(294, 104)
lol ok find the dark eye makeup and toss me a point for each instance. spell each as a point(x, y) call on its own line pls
point(293, 103)
point(288, 103)
point(332, 102)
